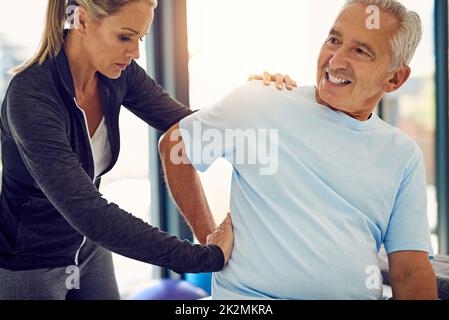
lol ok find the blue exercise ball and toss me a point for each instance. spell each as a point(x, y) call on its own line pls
point(201, 280)
point(169, 289)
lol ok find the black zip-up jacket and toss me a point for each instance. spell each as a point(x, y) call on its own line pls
point(49, 200)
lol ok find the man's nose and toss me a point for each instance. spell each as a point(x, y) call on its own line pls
point(338, 60)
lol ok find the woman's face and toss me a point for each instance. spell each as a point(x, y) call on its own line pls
point(113, 42)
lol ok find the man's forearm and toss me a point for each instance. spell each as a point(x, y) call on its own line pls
point(187, 191)
point(419, 285)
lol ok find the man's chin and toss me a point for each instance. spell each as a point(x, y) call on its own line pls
point(328, 100)
point(323, 97)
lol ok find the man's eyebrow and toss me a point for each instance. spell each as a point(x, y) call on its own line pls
point(367, 47)
point(132, 30)
point(335, 33)
point(371, 51)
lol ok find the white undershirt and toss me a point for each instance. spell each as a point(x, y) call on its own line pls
point(101, 149)
point(99, 143)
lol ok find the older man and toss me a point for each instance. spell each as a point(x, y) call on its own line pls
point(343, 184)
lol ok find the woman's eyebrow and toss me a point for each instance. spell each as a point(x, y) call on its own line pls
point(132, 30)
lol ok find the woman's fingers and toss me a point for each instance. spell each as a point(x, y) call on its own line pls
point(255, 77)
point(279, 79)
point(223, 237)
point(289, 83)
point(267, 78)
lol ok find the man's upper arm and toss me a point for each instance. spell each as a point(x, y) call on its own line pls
point(404, 263)
point(171, 146)
point(412, 275)
point(408, 228)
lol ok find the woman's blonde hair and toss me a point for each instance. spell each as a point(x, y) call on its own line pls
point(57, 13)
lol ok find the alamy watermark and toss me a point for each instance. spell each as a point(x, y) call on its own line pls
point(374, 281)
point(73, 280)
point(258, 147)
point(373, 20)
point(72, 13)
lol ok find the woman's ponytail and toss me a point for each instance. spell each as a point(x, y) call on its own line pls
point(52, 38)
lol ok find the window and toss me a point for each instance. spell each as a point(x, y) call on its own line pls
point(412, 107)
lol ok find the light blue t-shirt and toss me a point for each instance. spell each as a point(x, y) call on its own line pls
point(310, 218)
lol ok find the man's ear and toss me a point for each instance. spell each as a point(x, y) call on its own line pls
point(399, 77)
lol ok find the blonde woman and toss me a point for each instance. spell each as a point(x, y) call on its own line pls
point(60, 134)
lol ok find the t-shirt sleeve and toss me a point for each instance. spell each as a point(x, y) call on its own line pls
point(408, 229)
point(209, 133)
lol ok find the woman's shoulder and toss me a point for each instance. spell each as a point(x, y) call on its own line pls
point(37, 77)
point(32, 90)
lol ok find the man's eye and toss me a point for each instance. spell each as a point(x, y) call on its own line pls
point(141, 38)
point(361, 51)
point(332, 40)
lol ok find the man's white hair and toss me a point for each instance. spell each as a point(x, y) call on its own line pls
point(403, 44)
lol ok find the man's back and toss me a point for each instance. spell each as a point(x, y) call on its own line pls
point(312, 228)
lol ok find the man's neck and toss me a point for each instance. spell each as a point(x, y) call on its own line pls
point(360, 115)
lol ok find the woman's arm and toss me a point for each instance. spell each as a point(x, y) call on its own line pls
point(148, 100)
point(39, 129)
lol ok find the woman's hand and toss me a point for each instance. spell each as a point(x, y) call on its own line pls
point(223, 237)
point(278, 78)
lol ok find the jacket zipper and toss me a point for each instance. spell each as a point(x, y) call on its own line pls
point(77, 254)
point(91, 150)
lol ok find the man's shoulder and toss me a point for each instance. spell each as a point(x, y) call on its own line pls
point(258, 88)
point(255, 103)
point(400, 140)
point(259, 97)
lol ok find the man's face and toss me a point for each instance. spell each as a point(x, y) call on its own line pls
point(361, 57)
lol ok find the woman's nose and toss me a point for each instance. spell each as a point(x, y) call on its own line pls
point(134, 52)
